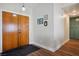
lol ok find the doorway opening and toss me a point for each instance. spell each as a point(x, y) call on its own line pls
point(71, 22)
point(74, 27)
point(71, 27)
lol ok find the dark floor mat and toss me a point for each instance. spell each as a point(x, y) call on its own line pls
point(22, 51)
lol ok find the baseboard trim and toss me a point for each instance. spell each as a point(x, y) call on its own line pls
point(39, 45)
point(59, 46)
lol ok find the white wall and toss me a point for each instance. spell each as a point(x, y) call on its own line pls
point(43, 36)
point(52, 36)
point(0, 32)
point(59, 37)
point(58, 25)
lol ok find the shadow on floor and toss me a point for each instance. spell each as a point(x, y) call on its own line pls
point(22, 51)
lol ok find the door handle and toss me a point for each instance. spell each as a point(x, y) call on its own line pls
point(19, 31)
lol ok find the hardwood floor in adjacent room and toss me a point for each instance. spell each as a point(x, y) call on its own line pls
point(71, 48)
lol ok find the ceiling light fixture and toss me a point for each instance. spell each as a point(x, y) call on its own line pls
point(77, 19)
point(65, 15)
point(74, 14)
point(74, 11)
point(14, 14)
point(23, 7)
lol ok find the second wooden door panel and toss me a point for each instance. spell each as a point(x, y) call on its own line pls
point(23, 32)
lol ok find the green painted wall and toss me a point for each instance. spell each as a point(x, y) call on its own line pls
point(74, 28)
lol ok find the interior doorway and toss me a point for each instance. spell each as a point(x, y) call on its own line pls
point(71, 27)
point(15, 30)
point(74, 27)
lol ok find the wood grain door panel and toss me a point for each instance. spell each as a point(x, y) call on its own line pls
point(6, 41)
point(9, 32)
point(24, 30)
point(15, 30)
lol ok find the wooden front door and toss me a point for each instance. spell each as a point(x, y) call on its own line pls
point(23, 30)
point(15, 30)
